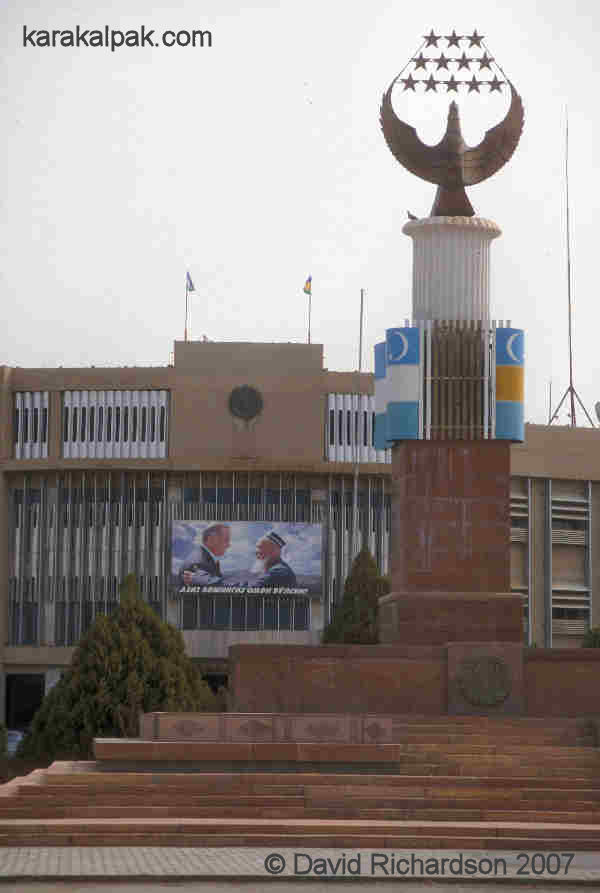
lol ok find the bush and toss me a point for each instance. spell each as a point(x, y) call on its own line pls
point(592, 638)
point(127, 664)
point(355, 619)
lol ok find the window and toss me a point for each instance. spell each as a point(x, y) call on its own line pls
point(117, 423)
point(238, 612)
point(35, 426)
point(270, 612)
point(331, 427)
point(44, 425)
point(341, 426)
point(134, 424)
point(83, 423)
point(301, 613)
point(16, 425)
point(143, 431)
point(349, 426)
point(206, 605)
point(163, 420)
point(189, 612)
point(253, 612)
point(74, 424)
point(100, 423)
point(222, 613)
point(109, 423)
point(92, 425)
point(285, 613)
point(125, 423)
point(25, 426)
point(365, 428)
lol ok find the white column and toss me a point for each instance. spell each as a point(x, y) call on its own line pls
point(451, 270)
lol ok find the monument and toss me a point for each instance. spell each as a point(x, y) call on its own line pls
point(449, 400)
point(446, 735)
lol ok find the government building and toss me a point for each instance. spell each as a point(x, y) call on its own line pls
point(99, 467)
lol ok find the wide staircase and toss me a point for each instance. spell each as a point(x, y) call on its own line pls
point(447, 782)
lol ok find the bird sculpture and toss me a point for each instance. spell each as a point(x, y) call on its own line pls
point(451, 164)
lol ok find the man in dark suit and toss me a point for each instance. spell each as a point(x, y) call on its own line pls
point(277, 572)
point(206, 570)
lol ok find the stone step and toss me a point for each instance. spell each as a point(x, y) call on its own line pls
point(258, 805)
point(340, 811)
point(125, 751)
point(288, 783)
point(299, 832)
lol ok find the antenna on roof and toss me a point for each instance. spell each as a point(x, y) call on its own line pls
point(571, 393)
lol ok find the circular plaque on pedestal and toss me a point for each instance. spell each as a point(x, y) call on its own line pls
point(484, 681)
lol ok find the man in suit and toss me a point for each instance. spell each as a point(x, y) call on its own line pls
point(206, 570)
point(277, 572)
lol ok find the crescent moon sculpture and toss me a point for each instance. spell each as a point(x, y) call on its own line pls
point(451, 164)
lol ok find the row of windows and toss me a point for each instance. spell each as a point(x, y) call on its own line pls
point(31, 425)
point(245, 612)
point(98, 515)
point(204, 612)
point(104, 587)
point(347, 429)
point(114, 424)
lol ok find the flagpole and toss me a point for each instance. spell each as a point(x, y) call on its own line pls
point(356, 428)
point(309, 311)
point(185, 337)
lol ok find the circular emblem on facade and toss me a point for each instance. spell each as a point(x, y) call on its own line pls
point(484, 681)
point(245, 402)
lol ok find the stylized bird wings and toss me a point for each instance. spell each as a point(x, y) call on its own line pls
point(451, 162)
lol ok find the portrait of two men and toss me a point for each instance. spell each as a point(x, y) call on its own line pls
point(246, 557)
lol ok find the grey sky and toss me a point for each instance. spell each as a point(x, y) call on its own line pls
point(260, 160)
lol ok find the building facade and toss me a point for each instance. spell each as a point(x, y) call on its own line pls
point(97, 463)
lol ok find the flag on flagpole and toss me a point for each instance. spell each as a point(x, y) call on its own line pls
point(308, 286)
point(189, 283)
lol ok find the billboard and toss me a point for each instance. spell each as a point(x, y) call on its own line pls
point(246, 557)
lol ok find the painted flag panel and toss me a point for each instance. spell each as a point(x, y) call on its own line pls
point(510, 384)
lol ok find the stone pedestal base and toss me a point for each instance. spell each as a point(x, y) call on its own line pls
point(436, 618)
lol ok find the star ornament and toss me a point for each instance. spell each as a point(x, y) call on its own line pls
point(430, 84)
point(464, 62)
point(452, 84)
point(475, 39)
point(495, 84)
point(484, 62)
point(420, 61)
point(453, 38)
point(409, 83)
point(432, 38)
point(442, 62)
point(473, 84)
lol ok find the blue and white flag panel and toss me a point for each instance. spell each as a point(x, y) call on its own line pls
point(398, 377)
point(510, 384)
point(403, 387)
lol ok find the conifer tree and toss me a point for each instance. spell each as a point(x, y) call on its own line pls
point(355, 618)
point(127, 664)
point(592, 638)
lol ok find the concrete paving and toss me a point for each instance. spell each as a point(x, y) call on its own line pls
point(150, 868)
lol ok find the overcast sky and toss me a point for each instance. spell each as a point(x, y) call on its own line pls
point(260, 160)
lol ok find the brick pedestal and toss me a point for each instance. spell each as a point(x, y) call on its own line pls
point(450, 546)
